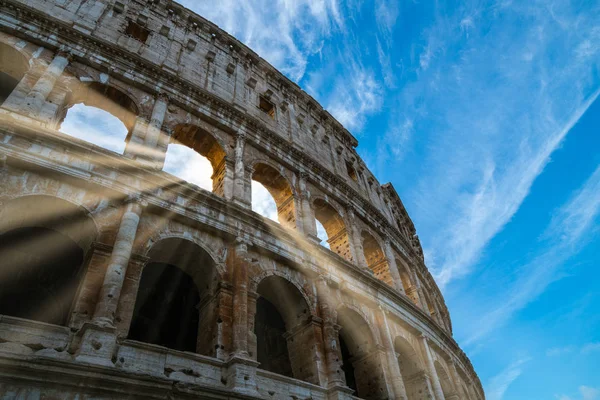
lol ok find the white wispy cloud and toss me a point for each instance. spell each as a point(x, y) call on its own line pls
point(498, 384)
point(585, 392)
point(567, 233)
point(356, 95)
point(283, 32)
point(490, 105)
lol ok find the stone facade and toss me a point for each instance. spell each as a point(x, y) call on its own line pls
point(159, 289)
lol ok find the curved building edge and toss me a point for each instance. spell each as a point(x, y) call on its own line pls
point(289, 139)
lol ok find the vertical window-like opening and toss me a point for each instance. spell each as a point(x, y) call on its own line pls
point(410, 368)
point(272, 350)
point(280, 191)
point(347, 366)
point(334, 229)
point(376, 258)
point(263, 202)
point(137, 31)
point(282, 344)
point(101, 115)
point(196, 156)
point(266, 106)
point(362, 366)
point(351, 171)
point(179, 277)
point(43, 242)
point(322, 234)
point(12, 69)
point(165, 311)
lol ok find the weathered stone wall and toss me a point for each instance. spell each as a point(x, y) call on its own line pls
point(170, 75)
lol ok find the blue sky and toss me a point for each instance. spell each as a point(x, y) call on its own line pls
point(485, 116)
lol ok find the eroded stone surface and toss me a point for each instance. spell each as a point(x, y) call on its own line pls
point(172, 279)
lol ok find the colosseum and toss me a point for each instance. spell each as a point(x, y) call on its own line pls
point(121, 281)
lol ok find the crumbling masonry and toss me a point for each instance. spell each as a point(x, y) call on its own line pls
point(120, 281)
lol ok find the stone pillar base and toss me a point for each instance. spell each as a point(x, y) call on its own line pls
point(240, 375)
point(339, 393)
point(97, 344)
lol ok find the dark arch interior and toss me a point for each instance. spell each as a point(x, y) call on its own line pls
point(12, 69)
point(272, 349)
point(280, 308)
point(39, 274)
point(347, 366)
point(165, 309)
point(175, 305)
point(361, 366)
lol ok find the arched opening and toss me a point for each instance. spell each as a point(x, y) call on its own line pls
point(280, 190)
point(407, 284)
point(43, 243)
point(360, 361)
point(375, 257)
point(334, 228)
point(175, 304)
point(445, 382)
point(100, 114)
point(196, 156)
point(13, 67)
point(412, 373)
point(284, 339)
point(322, 234)
point(431, 308)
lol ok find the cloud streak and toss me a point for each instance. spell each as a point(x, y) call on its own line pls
point(564, 237)
point(484, 124)
point(499, 384)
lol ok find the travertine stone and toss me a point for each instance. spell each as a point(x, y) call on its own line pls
point(171, 76)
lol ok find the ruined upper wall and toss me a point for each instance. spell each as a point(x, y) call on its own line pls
point(179, 53)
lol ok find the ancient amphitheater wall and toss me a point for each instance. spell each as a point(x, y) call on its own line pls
point(172, 77)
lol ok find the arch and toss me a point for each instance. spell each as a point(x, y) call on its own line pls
point(205, 145)
point(406, 280)
point(101, 114)
point(444, 378)
point(13, 66)
point(375, 257)
point(362, 367)
point(44, 242)
point(411, 368)
point(335, 227)
point(176, 304)
point(283, 333)
point(281, 191)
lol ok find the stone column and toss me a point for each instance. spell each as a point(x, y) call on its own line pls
point(228, 178)
point(35, 99)
point(457, 381)
point(239, 173)
point(153, 132)
point(135, 144)
point(389, 254)
point(331, 348)
point(307, 217)
point(396, 376)
point(239, 270)
point(119, 260)
point(156, 121)
point(435, 381)
point(356, 242)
